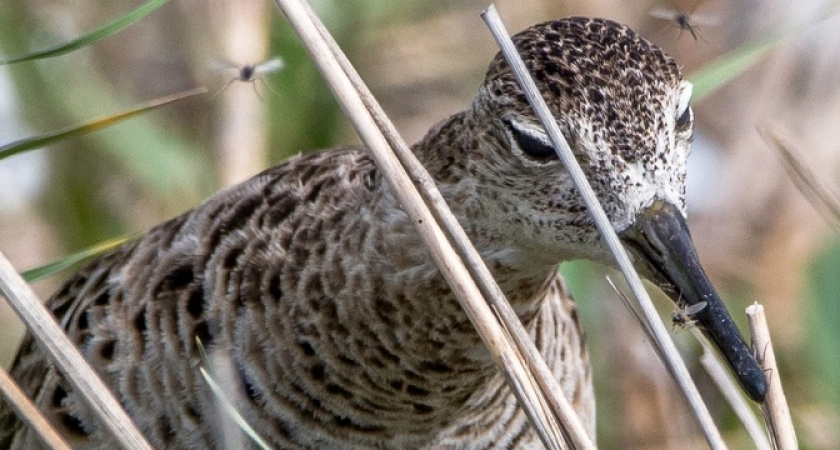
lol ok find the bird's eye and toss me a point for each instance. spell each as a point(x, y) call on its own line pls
point(530, 144)
point(685, 119)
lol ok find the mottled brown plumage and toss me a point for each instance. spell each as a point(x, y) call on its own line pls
point(341, 330)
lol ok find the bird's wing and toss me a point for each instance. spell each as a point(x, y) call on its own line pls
point(144, 297)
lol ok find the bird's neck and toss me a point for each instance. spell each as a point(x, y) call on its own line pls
point(394, 323)
point(445, 153)
point(406, 261)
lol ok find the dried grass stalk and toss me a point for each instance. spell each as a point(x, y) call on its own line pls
point(451, 265)
point(30, 413)
point(67, 358)
point(551, 390)
point(720, 376)
point(241, 139)
point(659, 335)
point(731, 392)
point(809, 184)
point(775, 407)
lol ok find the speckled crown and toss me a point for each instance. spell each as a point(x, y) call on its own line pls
point(595, 69)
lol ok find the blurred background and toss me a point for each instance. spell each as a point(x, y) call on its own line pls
point(758, 236)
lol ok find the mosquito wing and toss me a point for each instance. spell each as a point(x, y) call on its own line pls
point(694, 309)
point(268, 67)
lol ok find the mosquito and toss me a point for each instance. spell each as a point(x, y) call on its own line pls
point(682, 317)
point(685, 22)
point(249, 73)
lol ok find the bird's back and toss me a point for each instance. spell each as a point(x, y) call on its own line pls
point(137, 309)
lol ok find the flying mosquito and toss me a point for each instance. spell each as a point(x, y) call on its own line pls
point(685, 22)
point(247, 73)
point(682, 317)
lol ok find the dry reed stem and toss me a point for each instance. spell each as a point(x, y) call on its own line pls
point(534, 362)
point(553, 425)
point(659, 335)
point(731, 392)
point(67, 358)
point(242, 141)
point(448, 261)
point(815, 191)
point(30, 413)
point(775, 407)
point(720, 376)
point(629, 305)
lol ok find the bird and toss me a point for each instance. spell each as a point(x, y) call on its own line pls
point(340, 330)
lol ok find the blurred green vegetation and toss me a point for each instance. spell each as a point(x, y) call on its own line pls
point(91, 37)
point(823, 316)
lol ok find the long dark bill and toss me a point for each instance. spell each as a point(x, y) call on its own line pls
point(660, 236)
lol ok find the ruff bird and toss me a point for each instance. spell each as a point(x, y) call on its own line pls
point(340, 330)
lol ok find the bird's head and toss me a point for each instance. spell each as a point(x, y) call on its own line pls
point(623, 107)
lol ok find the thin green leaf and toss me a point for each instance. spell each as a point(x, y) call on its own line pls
point(233, 412)
point(202, 354)
point(67, 262)
point(722, 70)
point(45, 139)
point(229, 408)
point(87, 39)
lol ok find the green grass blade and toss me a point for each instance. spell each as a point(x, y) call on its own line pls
point(822, 313)
point(73, 260)
point(229, 408)
point(233, 412)
point(46, 139)
point(722, 70)
point(87, 39)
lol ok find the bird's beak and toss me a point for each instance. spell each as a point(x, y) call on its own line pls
point(660, 237)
